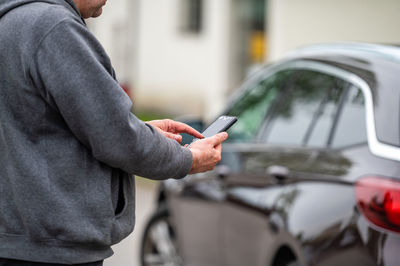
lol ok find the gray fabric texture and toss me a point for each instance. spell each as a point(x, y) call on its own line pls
point(68, 141)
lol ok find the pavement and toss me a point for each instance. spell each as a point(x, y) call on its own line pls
point(126, 253)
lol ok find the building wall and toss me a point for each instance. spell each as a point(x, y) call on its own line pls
point(293, 23)
point(167, 69)
point(179, 72)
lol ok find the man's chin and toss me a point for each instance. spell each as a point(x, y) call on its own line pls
point(97, 13)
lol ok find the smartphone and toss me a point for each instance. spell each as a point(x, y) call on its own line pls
point(223, 123)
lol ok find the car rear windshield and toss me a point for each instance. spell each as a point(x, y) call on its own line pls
point(386, 97)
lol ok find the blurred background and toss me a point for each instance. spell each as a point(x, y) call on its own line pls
point(186, 57)
point(181, 57)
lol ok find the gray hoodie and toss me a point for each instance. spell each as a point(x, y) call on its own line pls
point(68, 141)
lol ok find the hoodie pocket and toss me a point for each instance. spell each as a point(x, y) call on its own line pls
point(124, 220)
point(119, 197)
point(119, 191)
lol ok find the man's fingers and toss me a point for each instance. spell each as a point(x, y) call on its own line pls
point(176, 137)
point(174, 127)
point(178, 127)
point(207, 153)
point(219, 138)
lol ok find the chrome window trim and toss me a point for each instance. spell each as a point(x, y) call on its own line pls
point(375, 146)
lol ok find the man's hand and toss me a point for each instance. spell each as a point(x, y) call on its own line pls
point(171, 129)
point(206, 153)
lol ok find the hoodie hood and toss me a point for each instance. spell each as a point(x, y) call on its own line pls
point(8, 5)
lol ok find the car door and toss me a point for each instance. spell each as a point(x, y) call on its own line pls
point(258, 191)
point(325, 211)
point(197, 210)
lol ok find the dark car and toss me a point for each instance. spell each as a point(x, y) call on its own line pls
point(309, 176)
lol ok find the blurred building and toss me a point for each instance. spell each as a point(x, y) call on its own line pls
point(293, 23)
point(186, 56)
point(117, 34)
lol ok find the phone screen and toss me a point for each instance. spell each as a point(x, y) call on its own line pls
point(222, 124)
point(219, 125)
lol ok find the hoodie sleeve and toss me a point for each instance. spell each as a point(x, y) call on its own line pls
point(75, 75)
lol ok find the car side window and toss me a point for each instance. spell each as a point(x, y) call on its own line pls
point(252, 107)
point(305, 113)
point(324, 117)
point(351, 127)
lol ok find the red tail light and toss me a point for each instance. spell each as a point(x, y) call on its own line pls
point(379, 201)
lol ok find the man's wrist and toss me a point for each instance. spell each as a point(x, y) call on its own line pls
point(188, 161)
point(194, 161)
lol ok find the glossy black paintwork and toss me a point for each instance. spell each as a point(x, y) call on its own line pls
point(313, 212)
point(244, 216)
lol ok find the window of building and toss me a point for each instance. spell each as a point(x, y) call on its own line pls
point(192, 16)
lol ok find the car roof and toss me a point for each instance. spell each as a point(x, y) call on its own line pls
point(388, 52)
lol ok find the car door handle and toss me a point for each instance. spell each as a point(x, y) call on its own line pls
point(278, 172)
point(222, 171)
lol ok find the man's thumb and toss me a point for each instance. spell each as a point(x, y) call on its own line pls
point(219, 138)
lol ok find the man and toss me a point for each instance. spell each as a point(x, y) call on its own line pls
point(68, 141)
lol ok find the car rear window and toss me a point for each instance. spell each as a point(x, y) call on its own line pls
point(351, 128)
point(386, 103)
